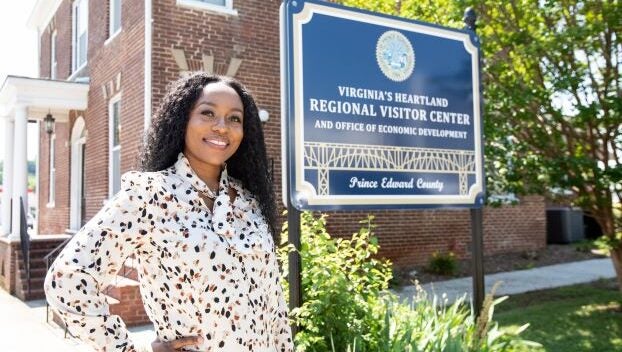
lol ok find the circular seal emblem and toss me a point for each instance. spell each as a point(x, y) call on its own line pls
point(395, 56)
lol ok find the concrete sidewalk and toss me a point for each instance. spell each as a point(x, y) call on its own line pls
point(521, 281)
point(23, 327)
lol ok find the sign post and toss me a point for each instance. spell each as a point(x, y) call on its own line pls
point(477, 221)
point(378, 112)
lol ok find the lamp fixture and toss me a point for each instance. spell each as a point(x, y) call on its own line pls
point(264, 115)
point(49, 123)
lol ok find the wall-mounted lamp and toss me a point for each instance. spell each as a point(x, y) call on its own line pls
point(49, 123)
point(264, 115)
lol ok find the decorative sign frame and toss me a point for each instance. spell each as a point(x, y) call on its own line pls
point(378, 112)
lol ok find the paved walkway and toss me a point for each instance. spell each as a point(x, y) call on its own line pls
point(23, 327)
point(521, 281)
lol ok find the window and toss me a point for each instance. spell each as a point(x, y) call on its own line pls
point(52, 168)
point(215, 2)
point(114, 168)
point(220, 6)
point(80, 34)
point(115, 17)
point(53, 56)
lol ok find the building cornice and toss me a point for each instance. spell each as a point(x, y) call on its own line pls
point(42, 13)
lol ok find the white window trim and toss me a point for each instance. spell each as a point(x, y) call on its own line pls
point(75, 74)
point(111, 20)
point(74, 38)
point(53, 61)
point(52, 172)
point(198, 5)
point(115, 99)
point(111, 38)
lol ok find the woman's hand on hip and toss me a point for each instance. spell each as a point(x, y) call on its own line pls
point(175, 345)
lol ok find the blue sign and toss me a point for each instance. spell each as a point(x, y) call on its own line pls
point(378, 111)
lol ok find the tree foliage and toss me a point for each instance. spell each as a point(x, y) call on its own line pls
point(32, 178)
point(553, 97)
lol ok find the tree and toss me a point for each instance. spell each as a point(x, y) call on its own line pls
point(553, 98)
point(32, 169)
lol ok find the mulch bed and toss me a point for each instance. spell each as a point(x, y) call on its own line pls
point(552, 254)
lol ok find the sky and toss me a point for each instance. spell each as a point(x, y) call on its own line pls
point(18, 46)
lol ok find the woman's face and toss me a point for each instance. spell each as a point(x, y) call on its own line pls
point(215, 126)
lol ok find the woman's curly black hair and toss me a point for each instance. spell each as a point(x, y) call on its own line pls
point(249, 164)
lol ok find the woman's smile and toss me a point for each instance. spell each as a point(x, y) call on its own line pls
point(216, 142)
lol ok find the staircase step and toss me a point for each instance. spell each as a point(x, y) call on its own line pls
point(35, 293)
point(34, 264)
point(39, 249)
point(35, 283)
point(38, 255)
point(34, 273)
point(40, 246)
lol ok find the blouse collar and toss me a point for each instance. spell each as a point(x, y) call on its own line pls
point(185, 171)
point(255, 235)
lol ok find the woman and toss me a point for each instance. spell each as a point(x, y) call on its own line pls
point(201, 221)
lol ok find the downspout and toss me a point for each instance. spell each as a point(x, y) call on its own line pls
point(148, 45)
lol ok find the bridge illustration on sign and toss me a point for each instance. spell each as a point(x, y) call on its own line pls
point(326, 157)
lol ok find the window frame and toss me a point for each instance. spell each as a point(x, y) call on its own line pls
point(75, 47)
point(111, 147)
point(226, 9)
point(53, 61)
point(112, 7)
point(52, 171)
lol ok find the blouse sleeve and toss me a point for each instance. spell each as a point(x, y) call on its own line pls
point(90, 262)
point(281, 331)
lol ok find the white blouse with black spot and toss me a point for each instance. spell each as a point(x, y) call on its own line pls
point(202, 273)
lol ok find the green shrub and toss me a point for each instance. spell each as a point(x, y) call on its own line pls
point(443, 263)
point(430, 324)
point(585, 246)
point(524, 266)
point(342, 286)
point(607, 243)
point(347, 306)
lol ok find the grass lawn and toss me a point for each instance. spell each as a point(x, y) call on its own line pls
point(575, 318)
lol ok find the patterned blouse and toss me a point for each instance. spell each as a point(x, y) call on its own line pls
point(202, 273)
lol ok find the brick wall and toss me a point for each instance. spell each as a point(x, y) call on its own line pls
point(7, 266)
point(45, 52)
point(110, 59)
point(54, 219)
point(115, 66)
point(516, 228)
point(61, 22)
point(128, 304)
point(410, 237)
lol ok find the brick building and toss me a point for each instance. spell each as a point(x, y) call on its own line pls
point(105, 65)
